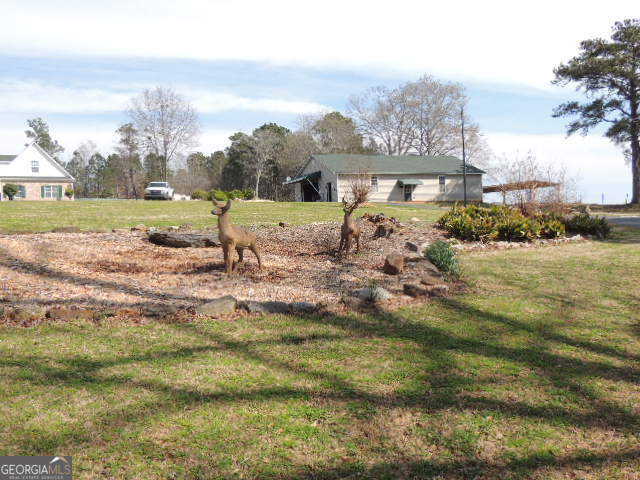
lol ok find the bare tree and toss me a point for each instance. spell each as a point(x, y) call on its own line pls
point(166, 122)
point(529, 183)
point(421, 117)
point(384, 114)
point(266, 144)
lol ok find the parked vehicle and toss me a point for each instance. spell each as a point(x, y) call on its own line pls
point(158, 191)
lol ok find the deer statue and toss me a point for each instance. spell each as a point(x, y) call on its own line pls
point(233, 237)
point(350, 229)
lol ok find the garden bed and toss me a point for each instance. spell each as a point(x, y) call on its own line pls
point(123, 274)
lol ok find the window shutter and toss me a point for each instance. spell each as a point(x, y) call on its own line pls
point(59, 191)
point(41, 191)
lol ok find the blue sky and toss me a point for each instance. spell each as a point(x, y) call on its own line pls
point(243, 64)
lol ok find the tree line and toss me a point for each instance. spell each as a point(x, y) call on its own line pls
point(421, 117)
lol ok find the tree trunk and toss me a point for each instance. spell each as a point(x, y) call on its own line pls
point(635, 151)
point(257, 185)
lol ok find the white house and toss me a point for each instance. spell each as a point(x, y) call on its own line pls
point(393, 178)
point(36, 173)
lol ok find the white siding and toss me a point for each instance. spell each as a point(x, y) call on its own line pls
point(326, 175)
point(21, 166)
point(390, 190)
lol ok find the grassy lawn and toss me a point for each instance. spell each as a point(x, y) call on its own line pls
point(107, 214)
point(533, 373)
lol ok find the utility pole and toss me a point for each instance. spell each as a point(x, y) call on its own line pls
point(464, 159)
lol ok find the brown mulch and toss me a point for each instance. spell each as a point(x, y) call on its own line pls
point(122, 271)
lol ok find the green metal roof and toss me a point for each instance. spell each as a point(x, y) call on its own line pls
point(410, 181)
point(308, 176)
point(400, 164)
point(7, 158)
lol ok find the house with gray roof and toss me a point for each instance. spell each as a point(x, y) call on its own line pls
point(36, 174)
point(404, 178)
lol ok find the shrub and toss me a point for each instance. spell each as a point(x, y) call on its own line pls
point(500, 222)
point(586, 224)
point(443, 256)
point(68, 192)
point(249, 194)
point(200, 194)
point(10, 190)
point(235, 194)
point(219, 195)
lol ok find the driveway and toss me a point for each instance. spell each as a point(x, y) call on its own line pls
point(629, 221)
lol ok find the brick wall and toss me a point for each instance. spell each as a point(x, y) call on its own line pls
point(33, 189)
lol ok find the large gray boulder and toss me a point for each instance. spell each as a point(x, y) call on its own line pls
point(184, 240)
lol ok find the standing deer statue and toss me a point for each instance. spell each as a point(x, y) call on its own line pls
point(350, 229)
point(233, 237)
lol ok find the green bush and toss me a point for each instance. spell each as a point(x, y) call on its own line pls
point(499, 222)
point(10, 190)
point(235, 194)
point(443, 256)
point(586, 224)
point(249, 194)
point(219, 195)
point(200, 194)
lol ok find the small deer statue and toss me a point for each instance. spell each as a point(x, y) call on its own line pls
point(233, 237)
point(350, 229)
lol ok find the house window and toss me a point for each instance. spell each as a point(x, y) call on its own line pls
point(51, 191)
point(22, 193)
point(35, 166)
point(443, 187)
point(374, 184)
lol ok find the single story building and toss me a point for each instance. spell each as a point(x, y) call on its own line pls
point(403, 178)
point(37, 175)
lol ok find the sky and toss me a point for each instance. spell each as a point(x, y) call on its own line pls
point(77, 64)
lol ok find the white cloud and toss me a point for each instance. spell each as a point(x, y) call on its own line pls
point(598, 165)
point(35, 97)
point(494, 40)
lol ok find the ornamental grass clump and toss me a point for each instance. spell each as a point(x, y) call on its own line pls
point(443, 256)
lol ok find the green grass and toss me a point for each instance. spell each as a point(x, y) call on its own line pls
point(31, 216)
point(534, 372)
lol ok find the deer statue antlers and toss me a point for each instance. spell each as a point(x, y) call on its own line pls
point(233, 238)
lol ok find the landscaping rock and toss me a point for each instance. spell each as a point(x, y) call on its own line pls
point(173, 228)
point(68, 314)
point(393, 264)
point(266, 307)
point(184, 240)
point(374, 294)
point(303, 307)
point(383, 231)
point(414, 219)
point(283, 225)
point(414, 290)
point(430, 274)
point(141, 227)
point(25, 312)
point(220, 306)
point(438, 290)
point(158, 310)
point(351, 302)
point(412, 246)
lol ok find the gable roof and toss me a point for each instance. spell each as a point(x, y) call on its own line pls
point(7, 161)
point(394, 164)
